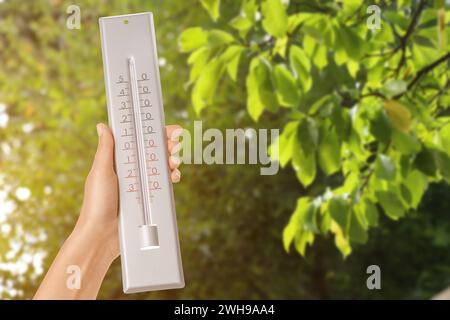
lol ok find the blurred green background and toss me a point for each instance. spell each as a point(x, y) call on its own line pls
point(231, 219)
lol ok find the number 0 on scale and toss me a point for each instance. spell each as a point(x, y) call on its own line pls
point(150, 251)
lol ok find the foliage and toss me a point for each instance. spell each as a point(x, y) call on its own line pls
point(229, 217)
point(365, 111)
point(51, 83)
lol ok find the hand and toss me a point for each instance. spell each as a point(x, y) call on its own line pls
point(94, 243)
point(100, 206)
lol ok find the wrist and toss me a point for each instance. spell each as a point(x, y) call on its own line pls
point(98, 239)
point(91, 256)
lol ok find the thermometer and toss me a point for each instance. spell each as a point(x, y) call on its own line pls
point(149, 245)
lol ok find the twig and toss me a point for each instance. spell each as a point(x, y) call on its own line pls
point(423, 72)
point(407, 35)
point(440, 92)
point(372, 169)
point(373, 94)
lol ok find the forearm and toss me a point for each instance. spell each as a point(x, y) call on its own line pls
point(83, 251)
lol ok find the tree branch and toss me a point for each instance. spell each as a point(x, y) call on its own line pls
point(440, 92)
point(423, 72)
point(371, 169)
point(407, 35)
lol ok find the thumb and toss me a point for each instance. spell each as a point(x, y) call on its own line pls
point(104, 157)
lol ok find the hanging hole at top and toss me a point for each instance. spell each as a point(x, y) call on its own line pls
point(125, 21)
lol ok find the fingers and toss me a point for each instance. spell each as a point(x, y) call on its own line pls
point(175, 176)
point(174, 147)
point(173, 133)
point(174, 162)
point(104, 157)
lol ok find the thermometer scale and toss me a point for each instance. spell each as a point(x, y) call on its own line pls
point(150, 252)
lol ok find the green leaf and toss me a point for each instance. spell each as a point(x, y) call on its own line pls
point(325, 220)
point(249, 8)
point(310, 223)
point(342, 121)
point(340, 212)
point(397, 18)
point(394, 87)
point(366, 213)
point(417, 184)
point(265, 85)
point(302, 240)
point(192, 39)
point(423, 41)
point(303, 163)
point(218, 38)
point(242, 24)
point(406, 143)
point(425, 162)
point(288, 235)
point(357, 233)
point(296, 226)
point(391, 204)
point(280, 47)
point(296, 19)
point(355, 145)
point(213, 8)
point(231, 57)
point(286, 142)
point(384, 168)
point(405, 195)
point(330, 153)
point(198, 60)
point(255, 106)
point(287, 91)
point(260, 94)
point(444, 137)
point(380, 127)
point(304, 166)
point(443, 163)
point(360, 212)
point(347, 39)
point(275, 20)
point(372, 213)
point(205, 86)
point(399, 115)
point(295, 222)
point(299, 60)
point(308, 135)
point(302, 66)
point(319, 104)
point(341, 240)
point(320, 57)
point(353, 68)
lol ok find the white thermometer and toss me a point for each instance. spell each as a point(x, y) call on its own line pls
point(150, 251)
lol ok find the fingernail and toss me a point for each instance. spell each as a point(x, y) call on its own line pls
point(176, 134)
point(100, 129)
point(176, 148)
point(175, 160)
point(177, 173)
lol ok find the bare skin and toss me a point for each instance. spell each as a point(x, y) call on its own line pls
point(94, 243)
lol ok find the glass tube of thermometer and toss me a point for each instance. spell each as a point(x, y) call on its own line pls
point(150, 250)
point(149, 231)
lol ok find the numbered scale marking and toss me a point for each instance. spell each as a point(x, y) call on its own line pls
point(150, 251)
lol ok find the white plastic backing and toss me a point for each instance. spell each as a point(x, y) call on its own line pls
point(150, 251)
